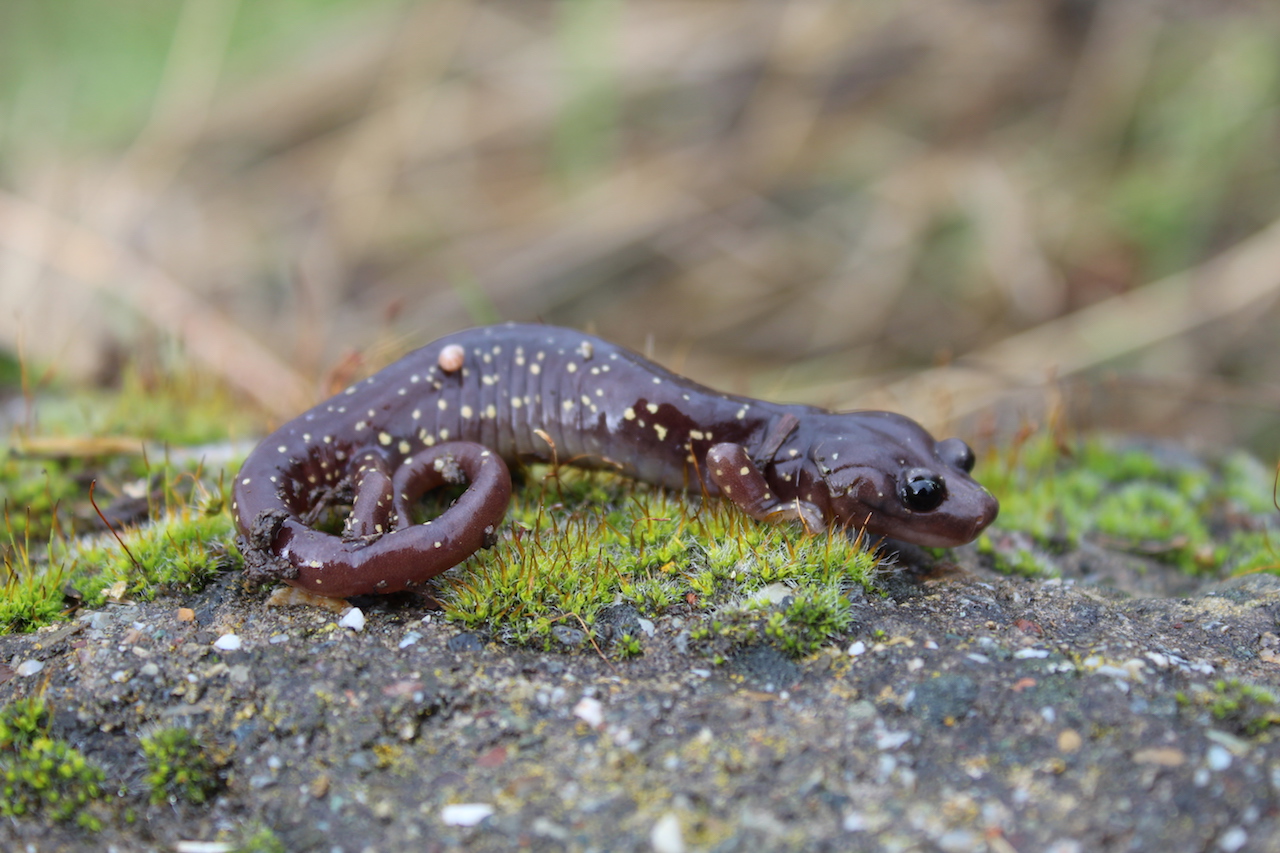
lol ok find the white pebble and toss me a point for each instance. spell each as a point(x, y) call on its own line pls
point(409, 639)
point(29, 667)
point(1232, 840)
point(353, 619)
point(666, 836)
point(858, 648)
point(1217, 758)
point(465, 814)
point(227, 643)
point(590, 711)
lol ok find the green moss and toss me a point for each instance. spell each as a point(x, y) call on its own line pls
point(813, 618)
point(1243, 708)
point(261, 840)
point(178, 769)
point(183, 550)
point(579, 541)
point(41, 776)
point(1054, 493)
point(627, 646)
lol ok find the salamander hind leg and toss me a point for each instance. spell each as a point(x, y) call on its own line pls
point(729, 466)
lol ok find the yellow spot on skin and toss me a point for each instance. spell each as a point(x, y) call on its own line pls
point(586, 401)
point(653, 408)
point(742, 413)
point(629, 414)
point(360, 425)
point(696, 434)
point(283, 449)
point(719, 473)
point(442, 404)
point(404, 447)
point(491, 411)
point(466, 411)
point(568, 404)
point(444, 435)
point(384, 438)
point(572, 367)
point(245, 481)
point(661, 431)
point(535, 369)
point(429, 440)
point(515, 402)
point(744, 471)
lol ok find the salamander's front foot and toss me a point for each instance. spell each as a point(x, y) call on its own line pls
point(730, 467)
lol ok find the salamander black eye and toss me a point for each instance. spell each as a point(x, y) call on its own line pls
point(922, 491)
point(955, 452)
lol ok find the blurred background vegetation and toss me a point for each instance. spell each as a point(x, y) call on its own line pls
point(967, 210)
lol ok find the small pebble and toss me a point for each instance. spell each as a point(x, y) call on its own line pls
point(1217, 758)
point(29, 667)
point(858, 648)
point(590, 711)
point(353, 619)
point(666, 836)
point(465, 814)
point(451, 358)
point(227, 643)
point(1232, 840)
point(410, 639)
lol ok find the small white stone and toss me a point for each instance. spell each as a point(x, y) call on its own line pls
point(590, 711)
point(465, 814)
point(666, 836)
point(353, 619)
point(29, 667)
point(1232, 840)
point(858, 648)
point(1217, 758)
point(227, 643)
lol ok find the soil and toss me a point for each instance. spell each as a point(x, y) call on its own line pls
point(963, 711)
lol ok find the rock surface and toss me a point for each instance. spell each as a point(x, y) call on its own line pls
point(975, 713)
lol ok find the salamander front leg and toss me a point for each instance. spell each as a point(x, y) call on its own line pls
point(730, 467)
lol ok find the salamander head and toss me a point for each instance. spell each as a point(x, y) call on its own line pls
point(885, 473)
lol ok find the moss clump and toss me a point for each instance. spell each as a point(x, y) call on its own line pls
point(182, 550)
point(1150, 501)
point(627, 646)
point(579, 541)
point(804, 621)
point(261, 840)
point(178, 769)
point(40, 775)
point(1244, 708)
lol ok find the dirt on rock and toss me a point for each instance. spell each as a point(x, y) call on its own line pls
point(963, 712)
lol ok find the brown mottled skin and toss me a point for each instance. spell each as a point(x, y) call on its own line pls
point(526, 392)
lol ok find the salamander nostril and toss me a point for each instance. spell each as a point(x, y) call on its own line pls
point(922, 491)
